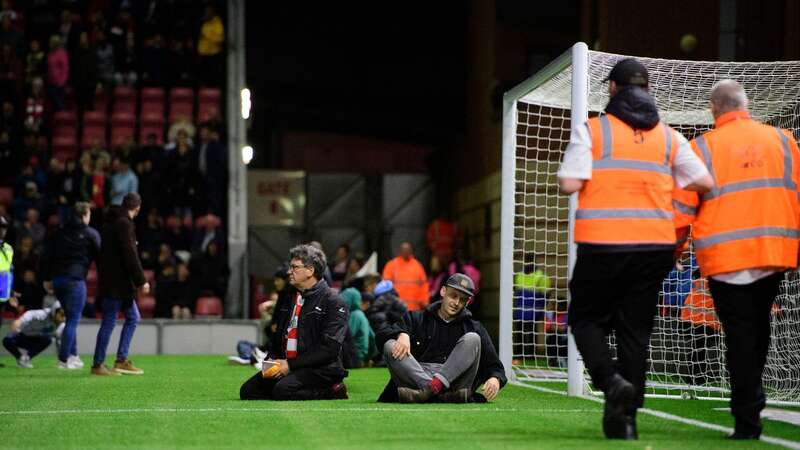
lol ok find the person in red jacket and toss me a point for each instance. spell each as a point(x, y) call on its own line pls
point(408, 277)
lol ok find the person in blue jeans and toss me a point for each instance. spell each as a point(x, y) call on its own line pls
point(120, 276)
point(66, 262)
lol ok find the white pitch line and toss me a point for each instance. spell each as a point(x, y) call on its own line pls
point(667, 416)
point(193, 410)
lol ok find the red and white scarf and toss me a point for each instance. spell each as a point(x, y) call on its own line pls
point(291, 332)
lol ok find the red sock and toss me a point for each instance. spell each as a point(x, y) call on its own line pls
point(436, 386)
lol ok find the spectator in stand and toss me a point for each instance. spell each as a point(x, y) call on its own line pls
point(166, 273)
point(33, 332)
point(35, 63)
point(151, 151)
point(127, 65)
point(31, 227)
point(208, 231)
point(7, 9)
point(210, 47)
point(10, 122)
point(26, 257)
point(177, 236)
point(11, 74)
point(360, 331)
point(57, 72)
point(58, 192)
point(120, 276)
point(408, 277)
point(149, 184)
point(181, 177)
point(35, 107)
point(29, 200)
point(84, 73)
point(154, 61)
point(66, 264)
point(210, 271)
point(68, 31)
point(100, 186)
point(183, 294)
point(151, 236)
point(105, 60)
point(211, 167)
point(97, 151)
point(339, 266)
point(84, 179)
point(123, 181)
point(9, 165)
point(355, 265)
point(10, 35)
point(181, 129)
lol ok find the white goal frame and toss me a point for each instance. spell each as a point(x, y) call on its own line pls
point(577, 61)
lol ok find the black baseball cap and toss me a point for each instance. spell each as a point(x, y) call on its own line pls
point(461, 283)
point(629, 72)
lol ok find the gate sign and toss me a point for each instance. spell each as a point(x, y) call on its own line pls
point(276, 197)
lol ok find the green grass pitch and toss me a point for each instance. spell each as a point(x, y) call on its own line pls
point(192, 402)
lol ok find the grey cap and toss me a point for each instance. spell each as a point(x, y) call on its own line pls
point(461, 283)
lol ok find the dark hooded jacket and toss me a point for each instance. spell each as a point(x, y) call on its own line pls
point(321, 330)
point(71, 251)
point(634, 106)
point(119, 271)
point(421, 326)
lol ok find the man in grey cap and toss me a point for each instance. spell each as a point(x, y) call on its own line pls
point(440, 353)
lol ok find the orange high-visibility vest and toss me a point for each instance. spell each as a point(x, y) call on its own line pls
point(410, 281)
point(751, 219)
point(628, 200)
point(698, 308)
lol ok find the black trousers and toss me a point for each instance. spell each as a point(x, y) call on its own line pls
point(744, 311)
point(616, 292)
point(702, 340)
point(301, 384)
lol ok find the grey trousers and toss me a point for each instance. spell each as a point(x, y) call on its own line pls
point(457, 372)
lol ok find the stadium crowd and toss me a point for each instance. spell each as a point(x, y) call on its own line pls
point(93, 61)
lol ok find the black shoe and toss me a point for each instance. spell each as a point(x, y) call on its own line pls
point(738, 435)
point(338, 392)
point(454, 396)
point(409, 395)
point(619, 399)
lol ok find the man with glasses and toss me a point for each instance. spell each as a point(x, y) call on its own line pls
point(441, 354)
point(304, 361)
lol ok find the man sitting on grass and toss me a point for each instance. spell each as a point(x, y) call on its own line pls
point(441, 354)
point(33, 332)
point(304, 362)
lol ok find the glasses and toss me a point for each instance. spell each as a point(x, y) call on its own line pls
point(295, 268)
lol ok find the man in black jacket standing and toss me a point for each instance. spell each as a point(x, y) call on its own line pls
point(119, 275)
point(66, 262)
point(304, 361)
point(441, 353)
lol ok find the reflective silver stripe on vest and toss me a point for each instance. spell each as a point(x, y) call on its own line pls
point(623, 213)
point(630, 164)
point(605, 129)
point(703, 146)
point(787, 159)
point(785, 182)
point(668, 136)
point(684, 208)
point(738, 235)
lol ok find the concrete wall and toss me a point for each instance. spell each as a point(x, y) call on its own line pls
point(166, 337)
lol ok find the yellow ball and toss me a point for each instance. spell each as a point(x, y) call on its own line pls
point(688, 43)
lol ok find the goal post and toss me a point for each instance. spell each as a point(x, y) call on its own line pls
point(537, 254)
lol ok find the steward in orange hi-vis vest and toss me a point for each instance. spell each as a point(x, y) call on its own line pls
point(624, 166)
point(751, 219)
point(628, 200)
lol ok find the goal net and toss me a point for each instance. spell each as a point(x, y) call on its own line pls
point(687, 349)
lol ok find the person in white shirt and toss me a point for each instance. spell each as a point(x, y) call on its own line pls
point(34, 332)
